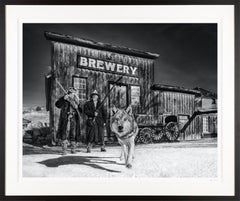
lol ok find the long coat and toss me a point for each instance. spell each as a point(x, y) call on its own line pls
point(95, 124)
point(66, 107)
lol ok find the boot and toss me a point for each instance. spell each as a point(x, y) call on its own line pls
point(103, 148)
point(64, 147)
point(73, 147)
point(89, 148)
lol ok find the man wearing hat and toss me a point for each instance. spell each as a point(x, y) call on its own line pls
point(95, 123)
point(69, 120)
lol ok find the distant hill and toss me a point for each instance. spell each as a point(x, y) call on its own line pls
point(27, 109)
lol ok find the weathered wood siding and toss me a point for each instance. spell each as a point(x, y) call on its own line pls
point(197, 126)
point(64, 64)
point(194, 131)
point(173, 103)
point(212, 123)
point(177, 103)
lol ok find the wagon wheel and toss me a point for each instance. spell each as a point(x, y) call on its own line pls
point(145, 135)
point(137, 138)
point(172, 131)
point(157, 135)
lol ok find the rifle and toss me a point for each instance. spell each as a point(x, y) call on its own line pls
point(65, 90)
point(101, 104)
point(109, 92)
point(70, 102)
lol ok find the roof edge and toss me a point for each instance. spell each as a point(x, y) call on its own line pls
point(98, 45)
point(162, 87)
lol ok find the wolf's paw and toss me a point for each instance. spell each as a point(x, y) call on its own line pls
point(129, 166)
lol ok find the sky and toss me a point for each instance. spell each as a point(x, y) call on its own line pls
point(188, 52)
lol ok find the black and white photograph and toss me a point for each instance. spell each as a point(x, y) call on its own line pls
point(122, 100)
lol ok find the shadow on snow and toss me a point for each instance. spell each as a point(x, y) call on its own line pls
point(90, 161)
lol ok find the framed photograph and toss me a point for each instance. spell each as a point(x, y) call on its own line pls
point(125, 100)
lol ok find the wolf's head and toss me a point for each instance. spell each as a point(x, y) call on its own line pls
point(122, 121)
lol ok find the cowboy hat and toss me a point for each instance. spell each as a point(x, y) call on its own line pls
point(71, 90)
point(94, 93)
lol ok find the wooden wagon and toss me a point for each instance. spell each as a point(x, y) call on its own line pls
point(169, 129)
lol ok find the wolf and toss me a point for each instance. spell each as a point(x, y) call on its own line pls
point(124, 126)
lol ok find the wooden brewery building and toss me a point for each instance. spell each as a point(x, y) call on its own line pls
point(88, 65)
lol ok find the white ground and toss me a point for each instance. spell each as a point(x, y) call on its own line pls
point(184, 159)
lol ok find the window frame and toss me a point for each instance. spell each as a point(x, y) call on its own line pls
point(81, 77)
point(130, 94)
point(205, 124)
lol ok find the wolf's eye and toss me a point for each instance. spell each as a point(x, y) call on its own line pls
point(125, 119)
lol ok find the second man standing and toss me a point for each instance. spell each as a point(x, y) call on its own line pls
point(96, 120)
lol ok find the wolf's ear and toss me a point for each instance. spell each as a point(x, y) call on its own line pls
point(129, 110)
point(113, 110)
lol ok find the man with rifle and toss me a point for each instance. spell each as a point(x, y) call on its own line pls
point(97, 116)
point(69, 120)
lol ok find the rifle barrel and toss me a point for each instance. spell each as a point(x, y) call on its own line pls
point(109, 92)
point(61, 87)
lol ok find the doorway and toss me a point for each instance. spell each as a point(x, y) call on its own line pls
point(118, 95)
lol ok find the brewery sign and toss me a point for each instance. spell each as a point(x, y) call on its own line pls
point(107, 66)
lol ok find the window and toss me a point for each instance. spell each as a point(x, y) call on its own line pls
point(205, 125)
point(80, 84)
point(135, 95)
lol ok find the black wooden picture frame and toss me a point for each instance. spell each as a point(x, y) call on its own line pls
point(3, 89)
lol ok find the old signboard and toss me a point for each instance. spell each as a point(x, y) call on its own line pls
point(106, 66)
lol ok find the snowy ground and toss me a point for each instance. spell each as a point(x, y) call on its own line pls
point(184, 159)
